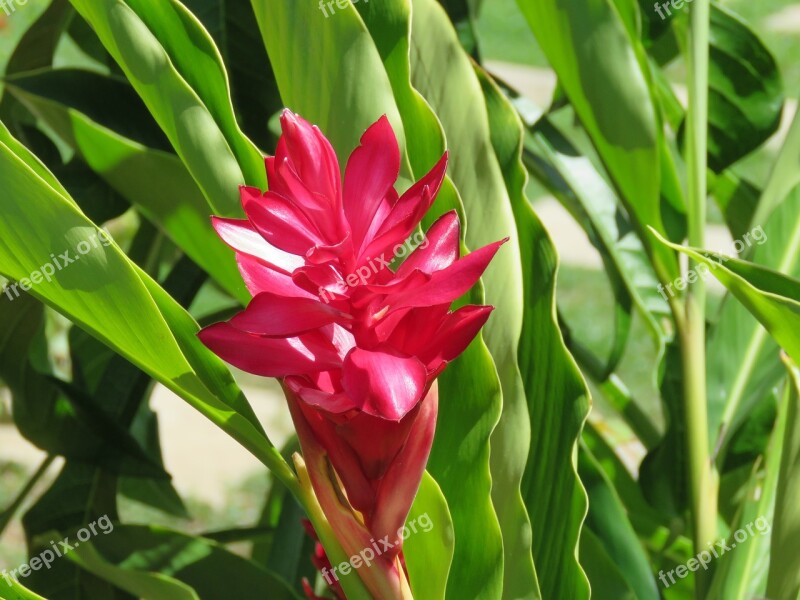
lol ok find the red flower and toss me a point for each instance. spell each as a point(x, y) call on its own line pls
point(358, 343)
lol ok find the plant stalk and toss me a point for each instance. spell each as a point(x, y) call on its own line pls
point(702, 479)
point(8, 514)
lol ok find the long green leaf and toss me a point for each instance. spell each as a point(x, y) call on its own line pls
point(455, 95)
point(609, 522)
point(155, 181)
point(589, 48)
point(784, 567)
point(557, 398)
point(186, 118)
point(116, 302)
point(773, 298)
point(136, 557)
point(429, 552)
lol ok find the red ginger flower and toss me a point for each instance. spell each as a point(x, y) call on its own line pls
point(357, 344)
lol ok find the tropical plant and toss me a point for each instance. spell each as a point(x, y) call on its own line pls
point(126, 123)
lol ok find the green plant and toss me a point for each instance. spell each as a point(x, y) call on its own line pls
point(145, 117)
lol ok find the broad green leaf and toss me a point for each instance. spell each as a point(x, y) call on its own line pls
point(784, 567)
point(557, 397)
point(30, 159)
point(159, 185)
point(429, 546)
point(134, 556)
point(344, 77)
point(745, 89)
point(193, 54)
point(456, 97)
point(773, 298)
point(186, 117)
point(117, 303)
point(605, 575)
point(155, 181)
point(608, 521)
point(742, 575)
point(743, 361)
point(598, 67)
point(593, 203)
point(644, 518)
point(12, 590)
point(232, 24)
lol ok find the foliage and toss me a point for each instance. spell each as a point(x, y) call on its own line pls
point(160, 110)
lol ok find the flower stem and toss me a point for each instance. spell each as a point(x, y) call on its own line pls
point(702, 479)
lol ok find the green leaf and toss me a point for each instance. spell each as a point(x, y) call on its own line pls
point(784, 567)
point(593, 203)
point(745, 90)
point(743, 361)
point(557, 398)
point(773, 298)
point(135, 556)
point(608, 521)
point(193, 54)
point(196, 121)
point(605, 575)
point(598, 67)
point(117, 303)
point(253, 87)
point(342, 51)
point(429, 546)
point(456, 97)
point(16, 591)
point(155, 181)
point(643, 517)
